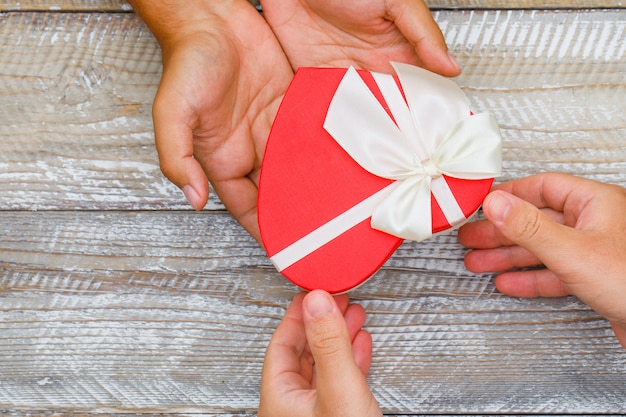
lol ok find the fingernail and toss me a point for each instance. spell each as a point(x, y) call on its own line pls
point(499, 205)
point(317, 303)
point(191, 195)
point(453, 60)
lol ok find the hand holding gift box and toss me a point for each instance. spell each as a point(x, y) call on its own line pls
point(358, 161)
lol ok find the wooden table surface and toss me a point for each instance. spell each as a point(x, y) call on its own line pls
point(115, 297)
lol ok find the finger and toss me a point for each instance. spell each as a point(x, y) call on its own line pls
point(174, 144)
point(523, 224)
point(355, 318)
point(284, 368)
point(361, 340)
point(338, 376)
point(530, 284)
point(494, 252)
point(499, 259)
point(554, 190)
point(362, 348)
point(239, 196)
point(482, 234)
point(414, 20)
point(287, 343)
point(343, 302)
point(620, 333)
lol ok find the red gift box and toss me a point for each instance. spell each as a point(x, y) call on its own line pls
point(315, 200)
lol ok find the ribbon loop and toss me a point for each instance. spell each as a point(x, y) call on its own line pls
point(456, 144)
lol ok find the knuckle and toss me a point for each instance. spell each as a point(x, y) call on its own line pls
point(328, 342)
point(530, 226)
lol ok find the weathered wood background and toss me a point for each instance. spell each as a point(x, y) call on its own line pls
point(115, 297)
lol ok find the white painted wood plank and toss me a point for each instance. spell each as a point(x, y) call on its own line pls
point(106, 311)
point(54, 5)
point(121, 5)
point(76, 91)
point(71, 5)
point(556, 83)
point(76, 127)
point(524, 4)
point(171, 311)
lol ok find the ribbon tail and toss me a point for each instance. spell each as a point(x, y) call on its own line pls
point(406, 211)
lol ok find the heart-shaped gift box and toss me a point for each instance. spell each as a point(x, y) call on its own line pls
point(357, 161)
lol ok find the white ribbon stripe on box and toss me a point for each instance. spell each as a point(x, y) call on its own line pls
point(433, 134)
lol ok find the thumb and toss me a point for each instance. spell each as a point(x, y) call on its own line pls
point(525, 225)
point(417, 24)
point(340, 382)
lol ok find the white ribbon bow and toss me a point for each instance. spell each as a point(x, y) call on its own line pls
point(433, 134)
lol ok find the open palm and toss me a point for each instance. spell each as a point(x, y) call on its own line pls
point(367, 34)
point(219, 92)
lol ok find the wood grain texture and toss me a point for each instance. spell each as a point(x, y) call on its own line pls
point(77, 91)
point(114, 298)
point(524, 4)
point(65, 5)
point(76, 125)
point(121, 5)
point(169, 311)
point(71, 5)
point(554, 80)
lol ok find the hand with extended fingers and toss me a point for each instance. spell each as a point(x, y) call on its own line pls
point(575, 227)
point(367, 34)
point(317, 361)
point(225, 72)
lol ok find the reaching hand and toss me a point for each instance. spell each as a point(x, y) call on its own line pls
point(367, 34)
point(575, 227)
point(317, 360)
point(224, 74)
